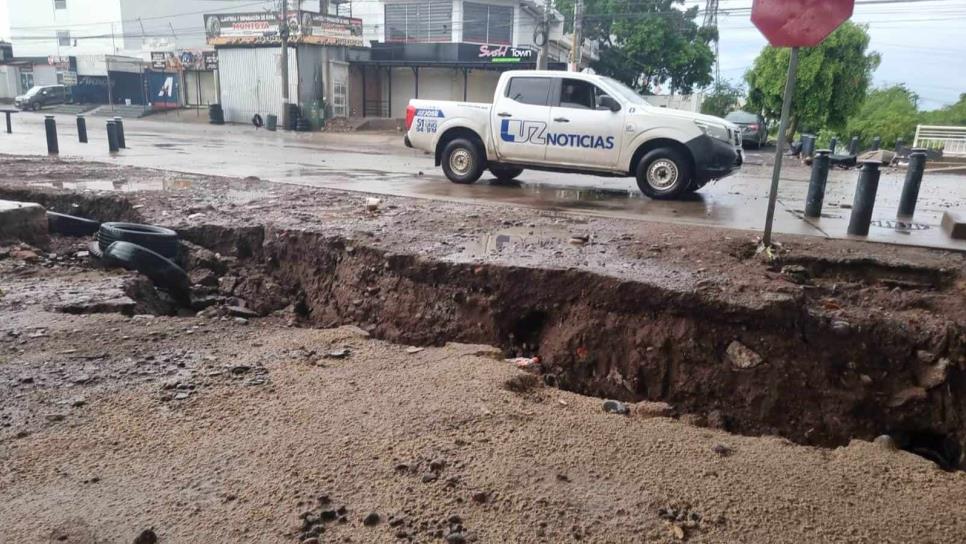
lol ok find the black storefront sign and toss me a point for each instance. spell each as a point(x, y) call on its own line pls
point(464, 54)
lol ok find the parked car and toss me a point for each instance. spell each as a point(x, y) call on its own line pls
point(40, 96)
point(574, 122)
point(754, 130)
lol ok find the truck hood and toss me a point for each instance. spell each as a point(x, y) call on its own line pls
point(691, 116)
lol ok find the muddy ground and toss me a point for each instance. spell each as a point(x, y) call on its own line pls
point(228, 420)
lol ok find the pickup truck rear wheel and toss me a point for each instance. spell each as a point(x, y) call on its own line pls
point(462, 161)
point(505, 173)
point(663, 174)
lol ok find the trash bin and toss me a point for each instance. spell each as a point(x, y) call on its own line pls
point(271, 122)
point(216, 116)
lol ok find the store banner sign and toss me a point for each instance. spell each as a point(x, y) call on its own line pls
point(158, 60)
point(210, 60)
point(263, 28)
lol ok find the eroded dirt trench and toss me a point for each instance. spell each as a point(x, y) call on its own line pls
point(783, 363)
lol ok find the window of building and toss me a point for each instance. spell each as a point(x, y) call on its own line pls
point(529, 90)
point(483, 23)
point(575, 93)
point(424, 21)
point(60, 4)
point(63, 38)
point(339, 99)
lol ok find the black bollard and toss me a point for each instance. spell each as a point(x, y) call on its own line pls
point(899, 144)
point(50, 126)
point(832, 145)
point(112, 137)
point(864, 200)
point(808, 145)
point(854, 146)
point(81, 129)
point(816, 186)
point(876, 143)
point(910, 189)
point(119, 123)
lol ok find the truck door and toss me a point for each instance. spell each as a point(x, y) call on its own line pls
point(519, 119)
point(581, 132)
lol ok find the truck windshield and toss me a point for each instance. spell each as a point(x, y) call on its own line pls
point(625, 92)
point(33, 91)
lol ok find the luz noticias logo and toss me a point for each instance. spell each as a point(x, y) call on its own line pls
point(535, 132)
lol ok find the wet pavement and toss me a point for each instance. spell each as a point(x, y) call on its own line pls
point(378, 163)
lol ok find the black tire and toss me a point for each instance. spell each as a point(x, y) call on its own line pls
point(162, 271)
point(663, 174)
point(504, 172)
point(158, 239)
point(463, 161)
point(70, 225)
point(95, 249)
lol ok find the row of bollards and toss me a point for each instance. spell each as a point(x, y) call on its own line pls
point(115, 134)
point(865, 191)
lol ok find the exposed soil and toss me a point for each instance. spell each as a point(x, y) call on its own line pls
point(823, 343)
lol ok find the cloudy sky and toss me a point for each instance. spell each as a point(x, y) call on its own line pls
point(921, 41)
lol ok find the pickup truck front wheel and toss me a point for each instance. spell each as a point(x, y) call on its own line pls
point(462, 161)
point(663, 174)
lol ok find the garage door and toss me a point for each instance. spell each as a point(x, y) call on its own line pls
point(251, 82)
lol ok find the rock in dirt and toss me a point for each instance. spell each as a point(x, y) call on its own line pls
point(722, 450)
point(372, 519)
point(340, 353)
point(742, 357)
point(616, 407)
point(372, 204)
point(147, 536)
point(885, 442)
point(907, 395)
point(413, 349)
point(646, 409)
point(480, 497)
point(933, 375)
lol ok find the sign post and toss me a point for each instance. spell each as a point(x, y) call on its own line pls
point(794, 24)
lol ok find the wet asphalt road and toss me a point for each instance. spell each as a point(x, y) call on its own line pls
point(378, 163)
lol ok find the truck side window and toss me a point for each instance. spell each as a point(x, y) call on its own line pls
point(578, 94)
point(529, 90)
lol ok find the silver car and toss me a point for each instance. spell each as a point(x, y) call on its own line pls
point(754, 130)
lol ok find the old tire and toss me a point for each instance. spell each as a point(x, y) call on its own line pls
point(462, 161)
point(161, 270)
point(505, 173)
point(71, 225)
point(664, 174)
point(158, 239)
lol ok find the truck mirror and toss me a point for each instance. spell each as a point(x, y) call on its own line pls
point(608, 103)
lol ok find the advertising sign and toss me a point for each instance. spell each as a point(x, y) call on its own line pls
point(210, 60)
point(505, 54)
point(263, 28)
point(158, 60)
point(70, 78)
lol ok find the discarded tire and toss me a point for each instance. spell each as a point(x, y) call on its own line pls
point(95, 249)
point(158, 239)
point(71, 225)
point(162, 271)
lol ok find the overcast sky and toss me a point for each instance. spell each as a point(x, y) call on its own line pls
point(922, 43)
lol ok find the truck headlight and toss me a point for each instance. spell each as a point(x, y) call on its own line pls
point(717, 132)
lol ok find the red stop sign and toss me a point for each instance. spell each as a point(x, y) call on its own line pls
point(799, 23)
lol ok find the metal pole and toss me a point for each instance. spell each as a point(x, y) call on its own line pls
point(832, 145)
point(816, 186)
point(283, 34)
point(81, 129)
point(112, 137)
point(779, 151)
point(9, 125)
point(854, 146)
point(119, 127)
point(899, 144)
point(910, 189)
point(576, 42)
point(110, 91)
point(542, 59)
point(864, 200)
point(50, 127)
point(876, 143)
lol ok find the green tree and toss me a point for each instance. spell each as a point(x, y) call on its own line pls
point(645, 43)
point(954, 115)
point(889, 113)
point(723, 99)
point(832, 80)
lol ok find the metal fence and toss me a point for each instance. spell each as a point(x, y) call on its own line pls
point(951, 140)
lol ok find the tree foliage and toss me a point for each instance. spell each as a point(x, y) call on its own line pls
point(723, 99)
point(646, 43)
point(889, 113)
point(833, 79)
point(954, 115)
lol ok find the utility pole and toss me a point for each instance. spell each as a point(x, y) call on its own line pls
point(711, 21)
point(283, 34)
point(578, 38)
point(543, 59)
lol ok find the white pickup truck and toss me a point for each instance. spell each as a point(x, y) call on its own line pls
point(574, 122)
